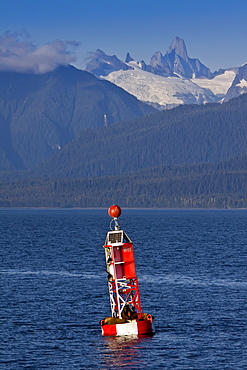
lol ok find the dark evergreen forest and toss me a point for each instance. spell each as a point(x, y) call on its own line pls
point(206, 185)
point(190, 156)
point(191, 134)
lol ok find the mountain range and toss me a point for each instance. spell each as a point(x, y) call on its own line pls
point(71, 138)
point(40, 114)
point(188, 134)
point(170, 79)
point(189, 156)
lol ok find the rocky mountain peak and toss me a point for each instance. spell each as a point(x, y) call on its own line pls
point(102, 64)
point(175, 62)
point(178, 46)
point(239, 85)
point(157, 59)
point(128, 58)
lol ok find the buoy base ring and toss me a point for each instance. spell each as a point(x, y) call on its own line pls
point(131, 327)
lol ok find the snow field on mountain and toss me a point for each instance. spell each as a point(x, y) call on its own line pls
point(242, 83)
point(166, 91)
point(219, 84)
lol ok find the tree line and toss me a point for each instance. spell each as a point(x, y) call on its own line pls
point(208, 185)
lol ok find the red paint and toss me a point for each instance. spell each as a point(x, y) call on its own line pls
point(123, 284)
point(129, 270)
point(114, 211)
point(144, 327)
point(124, 253)
point(109, 330)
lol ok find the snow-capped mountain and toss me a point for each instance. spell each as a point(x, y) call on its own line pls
point(176, 61)
point(102, 64)
point(159, 91)
point(239, 85)
point(168, 92)
point(168, 80)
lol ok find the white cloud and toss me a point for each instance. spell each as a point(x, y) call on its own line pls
point(19, 54)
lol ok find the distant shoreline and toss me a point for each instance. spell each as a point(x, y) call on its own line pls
point(124, 208)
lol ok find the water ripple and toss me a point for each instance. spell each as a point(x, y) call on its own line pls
point(50, 273)
point(188, 280)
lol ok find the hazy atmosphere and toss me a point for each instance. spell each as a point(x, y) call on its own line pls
point(123, 172)
point(42, 34)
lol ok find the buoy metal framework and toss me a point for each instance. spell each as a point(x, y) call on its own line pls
point(127, 316)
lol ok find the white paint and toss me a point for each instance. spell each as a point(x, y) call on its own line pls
point(129, 328)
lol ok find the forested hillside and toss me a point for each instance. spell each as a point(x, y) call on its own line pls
point(220, 185)
point(40, 114)
point(187, 134)
point(191, 156)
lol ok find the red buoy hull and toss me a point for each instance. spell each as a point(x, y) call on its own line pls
point(132, 327)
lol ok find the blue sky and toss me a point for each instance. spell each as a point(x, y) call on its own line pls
point(214, 31)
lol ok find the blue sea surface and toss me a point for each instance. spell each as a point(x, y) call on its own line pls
point(192, 272)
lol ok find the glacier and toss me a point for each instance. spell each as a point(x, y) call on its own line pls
point(168, 92)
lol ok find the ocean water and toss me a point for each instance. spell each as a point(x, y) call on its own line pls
point(192, 272)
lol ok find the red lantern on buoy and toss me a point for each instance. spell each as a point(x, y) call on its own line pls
point(127, 316)
point(114, 211)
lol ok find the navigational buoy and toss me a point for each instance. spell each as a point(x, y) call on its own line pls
point(114, 211)
point(127, 316)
